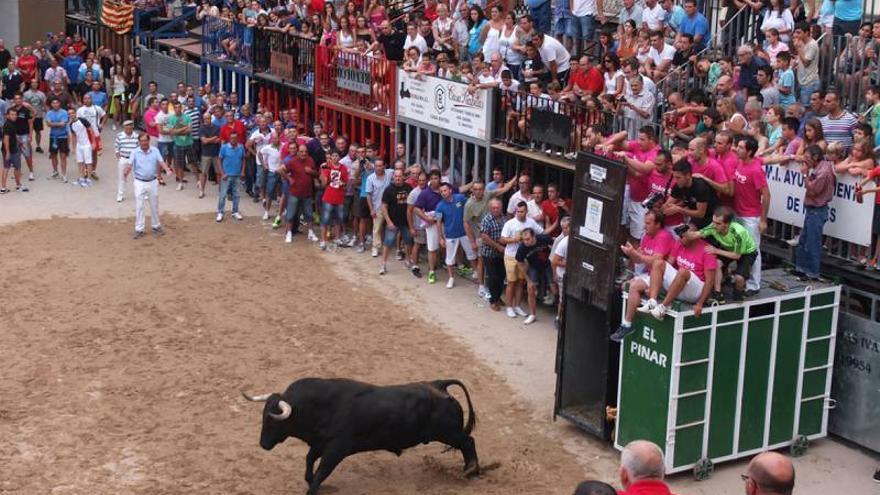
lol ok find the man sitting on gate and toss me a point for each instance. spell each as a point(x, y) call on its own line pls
point(656, 245)
point(731, 242)
point(684, 275)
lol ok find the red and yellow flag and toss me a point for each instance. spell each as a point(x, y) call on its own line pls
point(118, 15)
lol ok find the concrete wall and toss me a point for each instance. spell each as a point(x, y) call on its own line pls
point(38, 17)
point(9, 23)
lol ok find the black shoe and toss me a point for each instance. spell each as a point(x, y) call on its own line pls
point(737, 296)
point(39, 150)
point(877, 476)
point(752, 292)
point(138, 234)
point(797, 273)
point(621, 333)
point(716, 298)
point(416, 271)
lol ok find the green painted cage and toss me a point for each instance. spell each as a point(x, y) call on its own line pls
point(737, 380)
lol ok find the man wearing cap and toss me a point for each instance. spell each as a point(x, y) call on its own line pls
point(147, 164)
point(126, 143)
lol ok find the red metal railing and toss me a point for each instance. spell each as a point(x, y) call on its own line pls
point(356, 81)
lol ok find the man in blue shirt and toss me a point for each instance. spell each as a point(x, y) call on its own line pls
point(450, 212)
point(695, 24)
point(59, 144)
point(99, 97)
point(147, 163)
point(232, 157)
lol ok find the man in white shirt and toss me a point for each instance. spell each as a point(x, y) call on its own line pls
point(659, 56)
point(653, 15)
point(258, 139)
point(524, 193)
point(413, 38)
point(511, 235)
point(96, 116)
point(80, 135)
point(270, 157)
point(554, 56)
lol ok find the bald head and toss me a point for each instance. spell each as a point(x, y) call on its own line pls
point(770, 473)
point(641, 460)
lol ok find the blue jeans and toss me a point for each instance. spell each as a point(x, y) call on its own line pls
point(229, 184)
point(808, 256)
point(807, 91)
point(272, 180)
point(330, 212)
point(297, 205)
point(541, 16)
point(583, 27)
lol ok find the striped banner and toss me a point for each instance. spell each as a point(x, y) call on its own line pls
point(117, 15)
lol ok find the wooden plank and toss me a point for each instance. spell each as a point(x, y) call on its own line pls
point(535, 156)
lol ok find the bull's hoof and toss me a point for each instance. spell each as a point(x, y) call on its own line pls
point(472, 470)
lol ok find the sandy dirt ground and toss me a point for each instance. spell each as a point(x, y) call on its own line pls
point(122, 360)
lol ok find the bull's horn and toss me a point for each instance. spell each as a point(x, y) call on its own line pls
point(286, 410)
point(256, 398)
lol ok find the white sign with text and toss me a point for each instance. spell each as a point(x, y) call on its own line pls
point(443, 104)
point(848, 219)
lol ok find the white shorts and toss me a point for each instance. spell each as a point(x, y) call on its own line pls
point(84, 154)
point(432, 237)
point(452, 248)
point(692, 290)
point(637, 219)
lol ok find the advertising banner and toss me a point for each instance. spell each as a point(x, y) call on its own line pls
point(444, 104)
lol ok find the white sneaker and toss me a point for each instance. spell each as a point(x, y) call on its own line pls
point(352, 241)
point(312, 236)
point(219, 217)
point(382, 270)
point(265, 215)
point(31, 176)
point(659, 311)
point(201, 192)
point(529, 320)
point(289, 237)
point(64, 179)
point(450, 283)
point(374, 253)
point(119, 199)
point(549, 299)
point(322, 245)
point(647, 306)
point(180, 186)
point(237, 216)
point(510, 312)
point(482, 291)
point(519, 311)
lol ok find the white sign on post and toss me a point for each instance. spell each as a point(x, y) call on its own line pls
point(848, 219)
point(443, 104)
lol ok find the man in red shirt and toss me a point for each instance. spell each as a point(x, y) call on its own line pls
point(642, 469)
point(27, 64)
point(298, 171)
point(554, 207)
point(334, 177)
point(231, 126)
point(585, 80)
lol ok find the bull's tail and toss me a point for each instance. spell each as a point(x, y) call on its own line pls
point(472, 417)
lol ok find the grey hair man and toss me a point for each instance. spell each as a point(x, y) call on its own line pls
point(642, 468)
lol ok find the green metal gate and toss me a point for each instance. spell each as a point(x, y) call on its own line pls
point(737, 380)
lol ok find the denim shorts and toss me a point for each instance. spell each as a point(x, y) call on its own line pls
point(166, 149)
point(295, 203)
point(272, 180)
point(24, 145)
point(13, 160)
point(390, 239)
point(329, 212)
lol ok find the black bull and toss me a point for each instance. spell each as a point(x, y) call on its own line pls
point(339, 417)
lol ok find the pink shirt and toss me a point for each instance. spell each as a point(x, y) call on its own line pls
point(749, 181)
point(711, 169)
point(728, 162)
point(660, 244)
point(637, 188)
point(655, 182)
point(150, 121)
point(694, 258)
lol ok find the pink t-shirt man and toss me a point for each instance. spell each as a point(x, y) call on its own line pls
point(637, 188)
point(694, 258)
point(659, 244)
point(655, 182)
point(150, 122)
point(711, 169)
point(749, 181)
point(728, 161)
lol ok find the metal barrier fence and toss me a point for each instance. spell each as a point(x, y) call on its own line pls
point(289, 57)
point(168, 71)
point(354, 80)
point(832, 246)
point(847, 65)
point(515, 112)
point(228, 42)
point(87, 29)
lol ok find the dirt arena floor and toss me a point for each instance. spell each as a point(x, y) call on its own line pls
point(122, 369)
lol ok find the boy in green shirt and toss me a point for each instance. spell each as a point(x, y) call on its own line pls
point(729, 241)
point(181, 128)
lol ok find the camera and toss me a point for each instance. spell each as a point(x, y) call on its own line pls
point(653, 200)
point(682, 229)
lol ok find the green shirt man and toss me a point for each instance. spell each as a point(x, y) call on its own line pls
point(180, 121)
